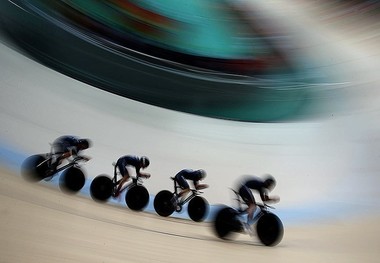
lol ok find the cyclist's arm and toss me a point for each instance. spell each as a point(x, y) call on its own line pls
point(266, 198)
point(140, 174)
point(71, 151)
point(201, 186)
point(68, 153)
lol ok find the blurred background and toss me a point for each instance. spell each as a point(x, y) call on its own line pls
point(234, 87)
point(236, 60)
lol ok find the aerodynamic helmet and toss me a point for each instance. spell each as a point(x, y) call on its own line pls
point(269, 181)
point(202, 173)
point(84, 143)
point(144, 161)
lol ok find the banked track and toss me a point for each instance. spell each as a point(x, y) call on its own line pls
point(42, 224)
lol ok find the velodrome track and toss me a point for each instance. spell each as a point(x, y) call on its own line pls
point(41, 224)
point(318, 164)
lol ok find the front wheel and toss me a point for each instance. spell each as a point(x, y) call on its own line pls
point(197, 209)
point(270, 229)
point(137, 197)
point(101, 188)
point(226, 222)
point(34, 168)
point(72, 180)
point(163, 204)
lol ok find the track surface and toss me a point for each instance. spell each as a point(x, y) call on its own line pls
point(42, 224)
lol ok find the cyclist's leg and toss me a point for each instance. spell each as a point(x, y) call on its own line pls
point(248, 198)
point(116, 169)
point(185, 188)
point(125, 177)
point(56, 152)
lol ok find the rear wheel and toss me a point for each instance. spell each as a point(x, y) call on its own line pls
point(197, 209)
point(34, 168)
point(72, 180)
point(101, 188)
point(270, 229)
point(163, 204)
point(226, 223)
point(137, 197)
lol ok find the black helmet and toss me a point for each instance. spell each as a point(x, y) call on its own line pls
point(269, 181)
point(202, 173)
point(84, 143)
point(144, 161)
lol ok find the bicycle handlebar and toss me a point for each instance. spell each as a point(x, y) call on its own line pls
point(261, 205)
point(138, 178)
point(80, 158)
point(264, 205)
point(195, 191)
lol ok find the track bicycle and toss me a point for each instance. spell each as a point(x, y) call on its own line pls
point(136, 197)
point(166, 202)
point(230, 220)
point(39, 167)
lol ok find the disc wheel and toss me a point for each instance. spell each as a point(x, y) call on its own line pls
point(270, 229)
point(101, 188)
point(197, 209)
point(162, 203)
point(226, 223)
point(72, 180)
point(34, 168)
point(137, 197)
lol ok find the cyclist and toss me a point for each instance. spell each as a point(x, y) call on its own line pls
point(126, 161)
point(65, 147)
point(192, 175)
point(262, 186)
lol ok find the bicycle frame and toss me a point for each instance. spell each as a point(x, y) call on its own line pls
point(71, 163)
point(263, 207)
point(135, 181)
point(194, 192)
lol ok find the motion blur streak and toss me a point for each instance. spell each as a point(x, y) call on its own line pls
point(339, 148)
point(253, 66)
point(326, 168)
